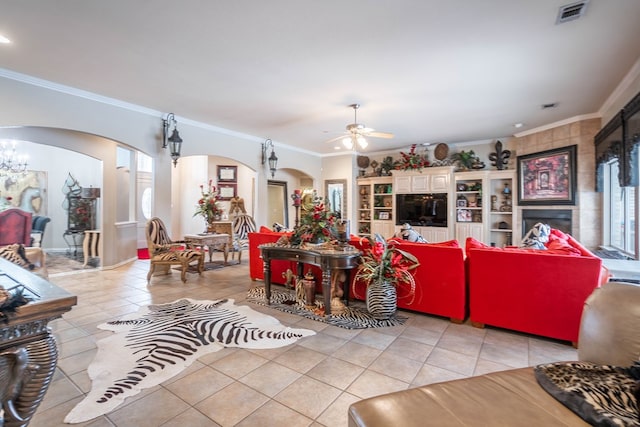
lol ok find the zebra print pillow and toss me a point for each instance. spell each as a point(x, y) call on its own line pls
point(17, 255)
point(602, 395)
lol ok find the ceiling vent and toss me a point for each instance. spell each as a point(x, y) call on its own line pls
point(571, 11)
point(549, 105)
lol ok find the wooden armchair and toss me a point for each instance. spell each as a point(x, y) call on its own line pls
point(166, 252)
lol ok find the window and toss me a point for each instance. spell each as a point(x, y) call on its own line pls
point(620, 224)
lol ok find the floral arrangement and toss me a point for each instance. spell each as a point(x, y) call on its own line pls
point(208, 206)
point(383, 261)
point(411, 160)
point(316, 225)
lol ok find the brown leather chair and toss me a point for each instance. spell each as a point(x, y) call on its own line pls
point(608, 335)
point(15, 227)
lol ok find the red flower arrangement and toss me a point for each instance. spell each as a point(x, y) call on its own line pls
point(411, 160)
point(317, 225)
point(208, 206)
point(383, 261)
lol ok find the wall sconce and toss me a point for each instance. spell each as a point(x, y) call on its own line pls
point(273, 160)
point(174, 141)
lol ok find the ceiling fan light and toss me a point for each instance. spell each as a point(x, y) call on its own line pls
point(362, 142)
point(348, 144)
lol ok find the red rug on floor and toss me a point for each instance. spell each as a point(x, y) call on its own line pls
point(143, 253)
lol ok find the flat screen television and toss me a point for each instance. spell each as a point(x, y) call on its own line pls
point(426, 210)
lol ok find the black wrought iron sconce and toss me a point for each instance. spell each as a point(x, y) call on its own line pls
point(273, 160)
point(174, 141)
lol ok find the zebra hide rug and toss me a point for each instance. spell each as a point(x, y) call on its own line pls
point(161, 340)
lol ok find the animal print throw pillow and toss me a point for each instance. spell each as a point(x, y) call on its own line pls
point(537, 237)
point(409, 234)
point(602, 395)
point(17, 255)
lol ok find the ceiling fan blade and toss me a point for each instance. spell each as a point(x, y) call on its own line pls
point(337, 138)
point(380, 134)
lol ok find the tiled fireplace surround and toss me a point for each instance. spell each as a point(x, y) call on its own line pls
point(587, 213)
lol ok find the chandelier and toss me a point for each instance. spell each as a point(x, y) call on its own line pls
point(10, 160)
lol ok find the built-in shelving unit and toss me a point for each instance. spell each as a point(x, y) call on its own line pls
point(469, 205)
point(501, 208)
point(485, 207)
point(375, 209)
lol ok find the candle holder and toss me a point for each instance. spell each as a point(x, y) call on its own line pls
point(297, 201)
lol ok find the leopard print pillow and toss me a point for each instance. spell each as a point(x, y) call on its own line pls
point(602, 395)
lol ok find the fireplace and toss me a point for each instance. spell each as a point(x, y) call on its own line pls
point(556, 218)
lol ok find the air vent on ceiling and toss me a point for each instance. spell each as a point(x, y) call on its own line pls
point(571, 11)
point(549, 105)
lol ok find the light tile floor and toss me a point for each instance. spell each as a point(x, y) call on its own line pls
point(310, 383)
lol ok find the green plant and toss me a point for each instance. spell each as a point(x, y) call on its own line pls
point(464, 159)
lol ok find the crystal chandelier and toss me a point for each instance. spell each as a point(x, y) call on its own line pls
point(10, 160)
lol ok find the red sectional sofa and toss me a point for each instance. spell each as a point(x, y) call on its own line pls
point(540, 292)
point(440, 278)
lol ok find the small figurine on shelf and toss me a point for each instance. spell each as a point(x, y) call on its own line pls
point(494, 201)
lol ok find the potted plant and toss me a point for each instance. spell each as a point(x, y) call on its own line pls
point(465, 159)
point(383, 268)
point(208, 206)
point(317, 226)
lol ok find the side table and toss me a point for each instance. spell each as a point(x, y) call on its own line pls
point(73, 239)
point(28, 350)
point(211, 241)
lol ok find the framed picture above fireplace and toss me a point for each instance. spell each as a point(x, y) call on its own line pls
point(548, 177)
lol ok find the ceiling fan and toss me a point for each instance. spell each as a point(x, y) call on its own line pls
point(356, 133)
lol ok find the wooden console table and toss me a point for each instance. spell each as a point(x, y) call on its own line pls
point(28, 352)
point(211, 241)
point(327, 259)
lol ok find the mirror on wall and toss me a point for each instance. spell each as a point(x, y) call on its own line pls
point(277, 203)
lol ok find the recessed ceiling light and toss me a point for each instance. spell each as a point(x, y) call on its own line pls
point(518, 125)
point(4, 40)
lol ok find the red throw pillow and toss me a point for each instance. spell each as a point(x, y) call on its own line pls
point(562, 247)
point(448, 244)
point(472, 243)
point(264, 229)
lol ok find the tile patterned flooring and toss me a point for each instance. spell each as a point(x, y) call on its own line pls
point(310, 383)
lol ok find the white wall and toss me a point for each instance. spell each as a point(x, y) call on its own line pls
point(50, 114)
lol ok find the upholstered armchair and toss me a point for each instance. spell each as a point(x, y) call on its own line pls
point(15, 227)
point(166, 252)
point(243, 224)
point(38, 225)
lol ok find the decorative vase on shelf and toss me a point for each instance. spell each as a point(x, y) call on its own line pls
point(382, 300)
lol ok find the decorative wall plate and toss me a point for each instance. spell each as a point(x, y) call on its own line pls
point(442, 151)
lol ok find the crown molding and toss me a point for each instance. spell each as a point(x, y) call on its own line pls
point(68, 90)
point(558, 124)
point(622, 87)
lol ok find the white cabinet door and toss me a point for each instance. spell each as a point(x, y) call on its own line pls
point(385, 228)
point(434, 234)
point(440, 234)
point(402, 184)
point(420, 183)
point(439, 183)
point(469, 229)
